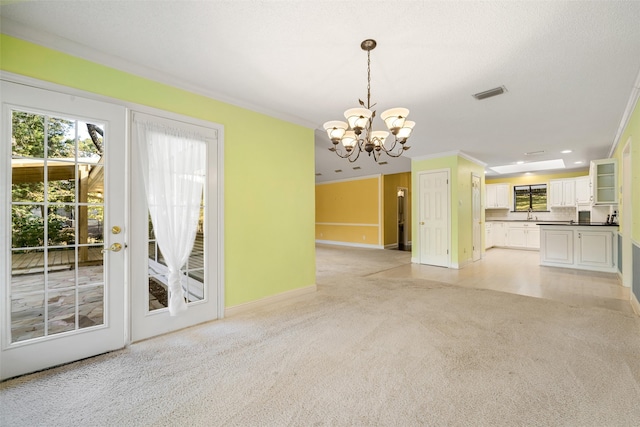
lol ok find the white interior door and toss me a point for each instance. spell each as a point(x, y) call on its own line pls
point(475, 208)
point(62, 193)
point(202, 274)
point(434, 218)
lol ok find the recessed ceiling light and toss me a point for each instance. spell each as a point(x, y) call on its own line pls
point(566, 151)
point(519, 162)
point(579, 162)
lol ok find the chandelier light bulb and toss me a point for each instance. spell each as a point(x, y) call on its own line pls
point(335, 129)
point(349, 140)
point(394, 118)
point(405, 132)
point(358, 118)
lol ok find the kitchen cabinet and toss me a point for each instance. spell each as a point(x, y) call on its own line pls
point(556, 246)
point(498, 234)
point(562, 193)
point(594, 249)
point(583, 190)
point(497, 196)
point(488, 241)
point(604, 179)
point(581, 247)
point(522, 235)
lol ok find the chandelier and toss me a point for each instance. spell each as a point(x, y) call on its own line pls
point(357, 135)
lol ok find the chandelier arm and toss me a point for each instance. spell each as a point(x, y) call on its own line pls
point(343, 156)
point(357, 155)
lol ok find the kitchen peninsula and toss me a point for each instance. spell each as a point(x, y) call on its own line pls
point(584, 246)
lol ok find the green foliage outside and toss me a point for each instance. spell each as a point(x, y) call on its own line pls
point(534, 197)
point(29, 136)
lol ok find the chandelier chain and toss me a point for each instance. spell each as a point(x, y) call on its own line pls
point(368, 79)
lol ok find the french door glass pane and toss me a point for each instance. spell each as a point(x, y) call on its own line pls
point(57, 213)
point(193, 271)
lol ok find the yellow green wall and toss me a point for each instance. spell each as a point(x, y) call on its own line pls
point(349, 211)
point(390, 202)
point(269, 202)
point(632, 130)
point(459, 203)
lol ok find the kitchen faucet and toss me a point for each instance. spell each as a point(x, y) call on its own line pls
point(529, 216)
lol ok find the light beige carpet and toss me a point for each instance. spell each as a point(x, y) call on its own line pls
point(360, 351)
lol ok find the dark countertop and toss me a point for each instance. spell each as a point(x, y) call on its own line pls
point(578, 224)
point(533, 221)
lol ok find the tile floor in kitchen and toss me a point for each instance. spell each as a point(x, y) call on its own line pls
point(518, 271)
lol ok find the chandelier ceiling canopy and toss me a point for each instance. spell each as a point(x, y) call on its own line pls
point(357, 134)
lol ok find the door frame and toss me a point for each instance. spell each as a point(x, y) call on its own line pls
point(214, 181)
point(405, 209)
point(627, 215)
point(476, 218)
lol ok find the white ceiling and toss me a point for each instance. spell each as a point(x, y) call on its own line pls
point(569, 67)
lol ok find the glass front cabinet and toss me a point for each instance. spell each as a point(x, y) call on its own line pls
point(604, 176)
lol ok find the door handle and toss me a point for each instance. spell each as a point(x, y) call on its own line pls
point(116, 247)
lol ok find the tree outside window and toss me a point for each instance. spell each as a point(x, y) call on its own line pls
point(532, 197)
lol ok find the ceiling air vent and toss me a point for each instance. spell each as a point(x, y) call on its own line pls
point(338, 170)
point(489, 93)
point(318, 174)
point(534, 153)
point(357, 168)
point(382, 163)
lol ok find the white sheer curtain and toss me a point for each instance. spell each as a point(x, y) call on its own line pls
point(174, 169)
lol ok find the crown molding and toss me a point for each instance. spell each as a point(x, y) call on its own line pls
point(626, 116)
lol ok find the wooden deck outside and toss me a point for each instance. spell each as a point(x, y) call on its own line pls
point(58, 259)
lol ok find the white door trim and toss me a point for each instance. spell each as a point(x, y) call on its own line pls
point(476, 216)
point(146, 324)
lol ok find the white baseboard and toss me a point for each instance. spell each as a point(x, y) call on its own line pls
point(252, 305)
point(353, 245)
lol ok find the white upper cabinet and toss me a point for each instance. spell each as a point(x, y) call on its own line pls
point(604, 177)
point(497, 196)
point(562, 192)
point(583, 190)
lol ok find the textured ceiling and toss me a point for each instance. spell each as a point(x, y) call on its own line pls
point(569, 67)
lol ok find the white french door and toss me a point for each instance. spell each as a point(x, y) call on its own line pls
point(62, 199)
point(433, 219)
point(202, 275)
